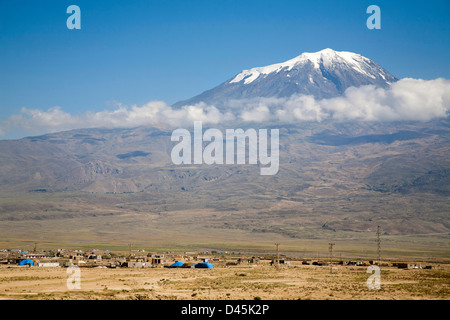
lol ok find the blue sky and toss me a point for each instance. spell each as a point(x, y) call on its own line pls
point(133, 52)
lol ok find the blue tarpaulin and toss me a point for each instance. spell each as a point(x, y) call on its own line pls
point(176, 264)
point(204, 265)
point(26, 262)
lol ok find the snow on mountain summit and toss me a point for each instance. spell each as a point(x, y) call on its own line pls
point(326, 57)
point(323, 74)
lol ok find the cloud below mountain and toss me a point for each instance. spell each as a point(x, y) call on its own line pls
point(406, 99)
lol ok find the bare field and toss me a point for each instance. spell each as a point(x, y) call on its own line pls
point(112, 221)
point(248, 282)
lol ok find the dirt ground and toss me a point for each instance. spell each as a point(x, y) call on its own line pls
point(248, 282)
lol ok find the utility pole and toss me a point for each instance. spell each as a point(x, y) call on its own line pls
point(35, 247)
point(378, 245)
point(331, 256)
point(278, 255)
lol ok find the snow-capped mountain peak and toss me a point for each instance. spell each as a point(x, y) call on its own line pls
point(323, 74)
point(326, 58)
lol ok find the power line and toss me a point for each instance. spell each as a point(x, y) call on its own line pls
point(378, 245)
point(331, 256)
point(129, 245)
point(278, 254)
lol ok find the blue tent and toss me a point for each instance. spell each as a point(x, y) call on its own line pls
point(26, 262)
point(176, 264)
point(205, 265)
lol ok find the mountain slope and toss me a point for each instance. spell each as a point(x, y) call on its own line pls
point(135, 160)
point(323, 74)
point(336, 181)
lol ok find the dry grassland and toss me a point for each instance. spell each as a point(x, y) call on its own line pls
point(293, 282)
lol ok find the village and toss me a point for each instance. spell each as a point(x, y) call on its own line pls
point(213, 274)
point(141, 259)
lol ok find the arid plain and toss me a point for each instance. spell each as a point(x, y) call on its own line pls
point(248, 282)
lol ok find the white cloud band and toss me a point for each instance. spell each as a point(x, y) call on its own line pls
point(407, 99)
